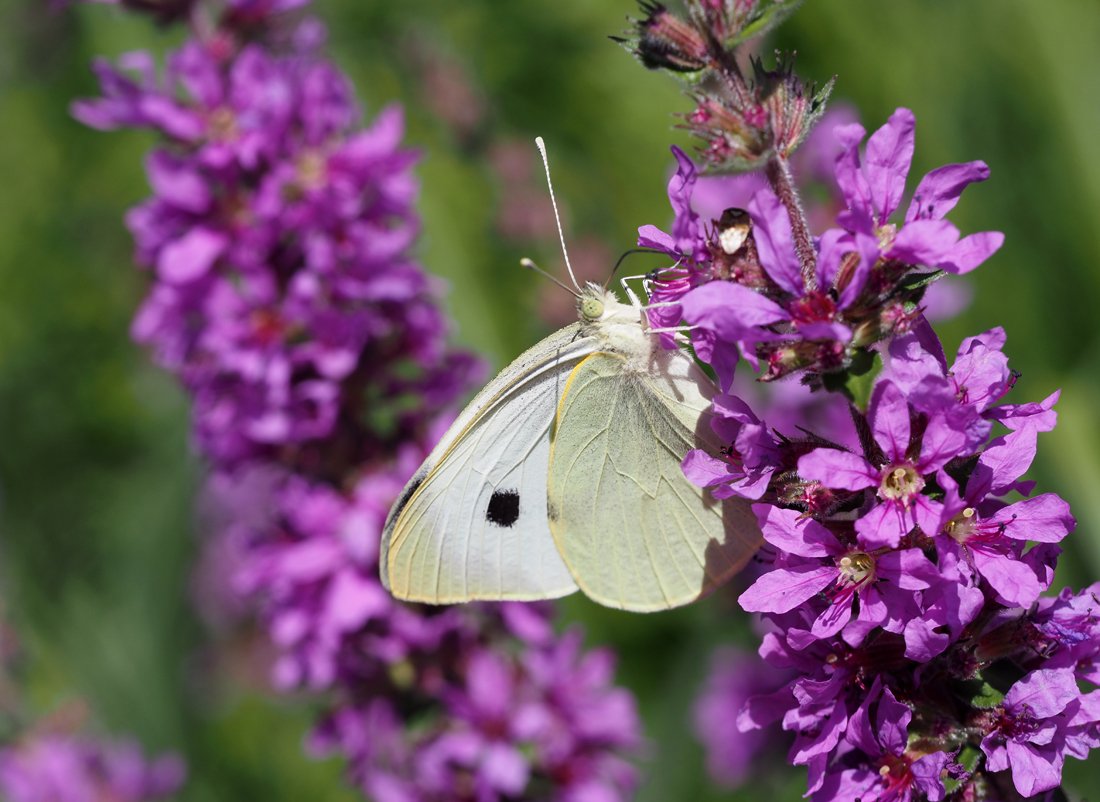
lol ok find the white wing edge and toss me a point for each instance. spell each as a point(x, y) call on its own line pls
point(561, 346)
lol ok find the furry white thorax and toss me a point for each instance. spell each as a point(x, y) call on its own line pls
point(620, 328)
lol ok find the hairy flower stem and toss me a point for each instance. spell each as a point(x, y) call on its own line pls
point(779, 175)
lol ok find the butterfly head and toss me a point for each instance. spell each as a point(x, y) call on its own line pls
point(592, 303)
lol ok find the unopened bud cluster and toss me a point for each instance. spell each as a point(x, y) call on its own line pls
point(741, 119)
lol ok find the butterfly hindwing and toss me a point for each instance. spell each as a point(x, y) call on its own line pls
point(635, 533)
point(472, 523)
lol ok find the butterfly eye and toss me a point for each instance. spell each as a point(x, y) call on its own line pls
point(591, 309)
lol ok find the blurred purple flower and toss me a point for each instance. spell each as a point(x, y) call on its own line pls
point(734, 757)
point(285, 298)
point(58, 768)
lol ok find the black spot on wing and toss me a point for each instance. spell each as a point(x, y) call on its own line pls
point(551, 511)
point(503, 509)
point(407, 493)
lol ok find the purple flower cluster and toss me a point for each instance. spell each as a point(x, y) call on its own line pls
point(284, 297)
point(863, 284)
point(496, 723)
point(906, 561)
point(278, 236)
point(904, 587)
point(61, 768)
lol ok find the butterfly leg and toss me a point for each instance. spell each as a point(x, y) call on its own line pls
point(633, 296)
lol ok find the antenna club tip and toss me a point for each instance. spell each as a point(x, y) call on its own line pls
point(525, 262)
point(540, 143)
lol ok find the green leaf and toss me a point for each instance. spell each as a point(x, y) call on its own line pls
point(916, 281)
point(858, 380)
point(968, 758)
point(980, 695)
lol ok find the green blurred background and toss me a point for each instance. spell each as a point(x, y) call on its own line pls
point(97, 480)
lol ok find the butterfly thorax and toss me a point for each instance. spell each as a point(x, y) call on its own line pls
point(620, 328)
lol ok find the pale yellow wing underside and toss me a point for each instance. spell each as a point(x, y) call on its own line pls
point(633, 531)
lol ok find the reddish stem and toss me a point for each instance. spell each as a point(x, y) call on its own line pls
point(779, 176)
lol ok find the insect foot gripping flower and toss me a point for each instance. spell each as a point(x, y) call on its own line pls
point(61, 768)
point(909, 603)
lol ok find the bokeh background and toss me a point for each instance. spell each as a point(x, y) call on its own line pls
point(97, 480)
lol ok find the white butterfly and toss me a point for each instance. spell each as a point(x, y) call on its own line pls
point(564, 472)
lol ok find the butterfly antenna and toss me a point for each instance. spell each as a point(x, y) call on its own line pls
point(525, 262)
point(557, 218)
point(622, 259)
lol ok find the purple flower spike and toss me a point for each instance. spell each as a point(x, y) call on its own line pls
point(285, 297)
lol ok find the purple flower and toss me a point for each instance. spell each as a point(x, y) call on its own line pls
point(746, 466)
point(873, 188)
point(57, 768)
point(879, 765)
point(899, 478)
point(734, 757)
point(1067, 631)
point(279, 237)
point(987, 537)
point(813, 563)
point(1028, 732)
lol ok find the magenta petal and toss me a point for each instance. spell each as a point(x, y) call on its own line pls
point(890, 420)
point(883, 526)
point(832, 619)
point(174, 180)
point(939, 191)
point(908, 569)
point(730, 310)
point(505, 769)
point(791, 533)
point(1045, 692)
point(887, 160)
point(775, 241)
point(650, 236)
point(868, 250)
point(784, 589)
point(833, 246)
point(191, 256)
point(852, 182)
point(924, 242)
point(1013, 581)
point(928, 774)
point(1033, 770)
point(971, 251)
point(1007, 459)
point(1045, 519)
point(838, 469)
point(703, 470)
point(818, 332)
point(946, 439)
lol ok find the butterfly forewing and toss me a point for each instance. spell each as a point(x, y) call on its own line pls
point(633, 531)
point(472, 523)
